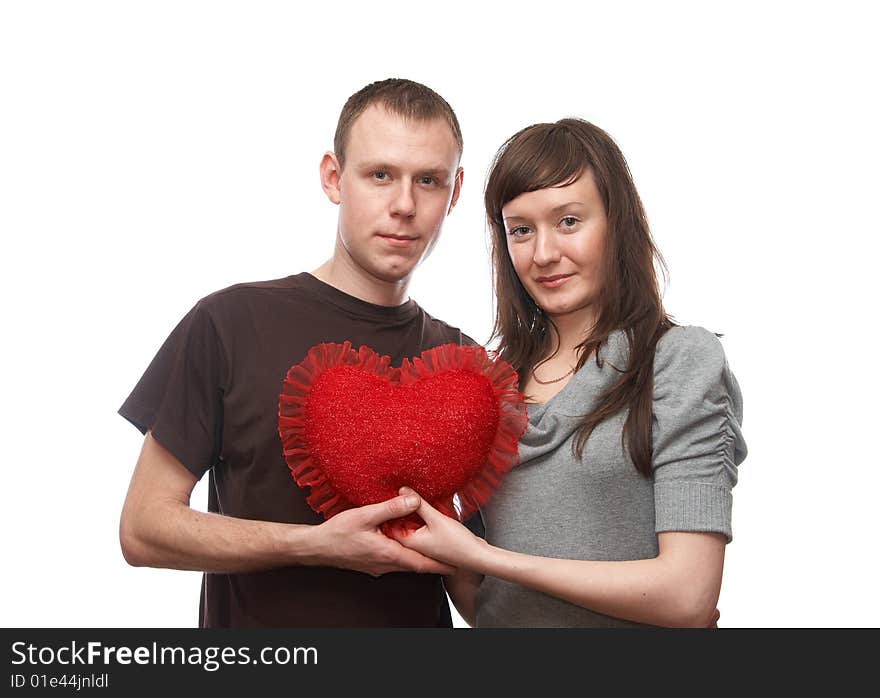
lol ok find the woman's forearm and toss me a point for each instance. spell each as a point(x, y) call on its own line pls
point(679, 588)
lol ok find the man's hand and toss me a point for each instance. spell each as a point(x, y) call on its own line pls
point(352, 540)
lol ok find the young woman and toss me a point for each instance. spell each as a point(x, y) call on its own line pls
point(620, 508)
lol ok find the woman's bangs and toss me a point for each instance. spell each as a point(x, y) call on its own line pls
point(554, 158)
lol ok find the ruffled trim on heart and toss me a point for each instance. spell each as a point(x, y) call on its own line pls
point(291, 417)
point(503, 454)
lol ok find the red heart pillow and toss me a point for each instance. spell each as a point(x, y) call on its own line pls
point(355, 429)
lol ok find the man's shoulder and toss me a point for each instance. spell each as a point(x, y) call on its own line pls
point(240, 294)
point(248, 288)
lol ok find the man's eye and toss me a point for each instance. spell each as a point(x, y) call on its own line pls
point(381, 176)
point(427, 180)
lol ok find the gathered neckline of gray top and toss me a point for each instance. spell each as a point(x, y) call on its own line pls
point(590, 378)
point(553, 422)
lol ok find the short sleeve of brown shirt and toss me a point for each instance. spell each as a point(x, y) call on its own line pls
point(180, 396)
point(210, 396)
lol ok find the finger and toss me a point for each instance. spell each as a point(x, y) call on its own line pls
point(428, 512)
point(415, 541)
point(416, 562)
point(405, 536)
point(424, 505)
point(410, 492)
point(395, 508)
point(400, 528)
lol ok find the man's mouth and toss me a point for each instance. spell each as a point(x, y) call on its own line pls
point(398, 240)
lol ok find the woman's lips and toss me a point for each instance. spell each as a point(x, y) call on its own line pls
point(554, 281)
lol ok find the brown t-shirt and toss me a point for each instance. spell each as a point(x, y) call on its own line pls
point(210, 396)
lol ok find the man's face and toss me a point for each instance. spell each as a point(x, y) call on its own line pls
point(400, 180)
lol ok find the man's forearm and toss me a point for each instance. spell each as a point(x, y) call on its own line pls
point(172, 535)
point(159, 529)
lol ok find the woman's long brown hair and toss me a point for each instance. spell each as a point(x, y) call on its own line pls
point(552, 155)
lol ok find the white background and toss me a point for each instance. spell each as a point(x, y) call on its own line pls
point(153, 152)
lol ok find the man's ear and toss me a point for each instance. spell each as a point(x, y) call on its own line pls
point(456, 189)
point(330, 175)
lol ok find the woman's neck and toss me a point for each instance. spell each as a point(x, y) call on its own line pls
point(570, 330)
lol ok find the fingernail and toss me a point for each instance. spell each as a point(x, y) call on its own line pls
point(411, 501)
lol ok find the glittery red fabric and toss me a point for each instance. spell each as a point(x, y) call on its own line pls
point(355, 429)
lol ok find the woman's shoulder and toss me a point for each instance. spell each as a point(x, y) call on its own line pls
point(689, 338)
point(689, 355)
point(690, 345)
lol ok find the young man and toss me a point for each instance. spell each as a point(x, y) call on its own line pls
point(209, 400)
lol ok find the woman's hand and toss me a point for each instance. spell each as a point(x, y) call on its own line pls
point(441, 538)
point(353, 540)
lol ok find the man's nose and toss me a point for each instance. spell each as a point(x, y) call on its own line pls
point(404, 203)
point(546, 248)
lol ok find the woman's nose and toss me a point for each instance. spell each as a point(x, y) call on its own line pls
point(546, 248)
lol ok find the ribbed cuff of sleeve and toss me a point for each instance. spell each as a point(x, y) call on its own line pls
point(692, 506)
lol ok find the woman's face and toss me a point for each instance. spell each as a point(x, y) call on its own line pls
point(556, 239)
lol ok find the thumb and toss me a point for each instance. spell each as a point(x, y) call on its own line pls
point(394, 508)
point(425, 510)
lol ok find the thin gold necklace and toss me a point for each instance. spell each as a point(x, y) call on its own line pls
point(555, 380)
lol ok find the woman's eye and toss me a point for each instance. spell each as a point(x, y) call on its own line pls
point(519, 231)
point(569, 221)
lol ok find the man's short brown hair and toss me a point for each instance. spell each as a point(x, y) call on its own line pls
point(406, 98)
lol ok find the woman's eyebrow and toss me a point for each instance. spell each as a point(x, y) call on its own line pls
point(555, 209)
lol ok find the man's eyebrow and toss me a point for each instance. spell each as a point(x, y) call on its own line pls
point(438, 171)
point(368, 165)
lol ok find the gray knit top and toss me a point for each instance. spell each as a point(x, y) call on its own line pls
point(555, 505)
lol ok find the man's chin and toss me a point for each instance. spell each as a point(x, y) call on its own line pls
point(392, 276)
point(393, 271)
